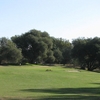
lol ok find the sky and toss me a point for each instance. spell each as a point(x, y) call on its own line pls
point(68, 19)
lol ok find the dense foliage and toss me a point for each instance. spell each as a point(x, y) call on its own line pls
point(9, 53)
point(38, 47)
point(87, 51)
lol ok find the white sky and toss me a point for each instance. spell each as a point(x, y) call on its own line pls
point(68, 19)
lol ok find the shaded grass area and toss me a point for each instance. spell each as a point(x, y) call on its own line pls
point(63, 94)
point(48, 83)
point(69, 93)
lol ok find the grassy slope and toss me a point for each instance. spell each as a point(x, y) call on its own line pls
point(34, 82)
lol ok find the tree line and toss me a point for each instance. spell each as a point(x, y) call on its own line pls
point(39, 47)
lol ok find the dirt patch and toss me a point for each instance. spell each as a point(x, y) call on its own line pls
point(73, 71)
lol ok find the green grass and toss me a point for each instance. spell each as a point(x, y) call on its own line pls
point(33, 82)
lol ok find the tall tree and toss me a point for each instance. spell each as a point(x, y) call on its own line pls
point(87, 51)
point(34, 45)
point(9, 53)
point(58, 56)
point(63, 48)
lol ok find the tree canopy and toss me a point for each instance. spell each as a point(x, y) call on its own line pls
point(87, 51)
point(35, 45)
point(39, 47)
point(9, 53)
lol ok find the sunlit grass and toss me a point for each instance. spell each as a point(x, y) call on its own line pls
point(48, 83)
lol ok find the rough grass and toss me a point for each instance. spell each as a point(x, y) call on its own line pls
point(33, 82)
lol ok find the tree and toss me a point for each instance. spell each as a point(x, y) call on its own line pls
point(63, 48)
point(39, 47)
point(34, 44)
point(50, 58)
point(58, 56)
point(87, 51)
point(9, 53)
point(78, 51)
point(67, 55)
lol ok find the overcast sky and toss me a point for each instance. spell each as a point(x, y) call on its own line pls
point(68, 19)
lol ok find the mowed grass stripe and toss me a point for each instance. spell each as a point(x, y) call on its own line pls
point(48, 82)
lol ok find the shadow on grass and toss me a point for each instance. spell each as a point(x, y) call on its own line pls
point(66, 90)
point(69, 93)
point(71, 98)
point(58, 97)
point(91, 93)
